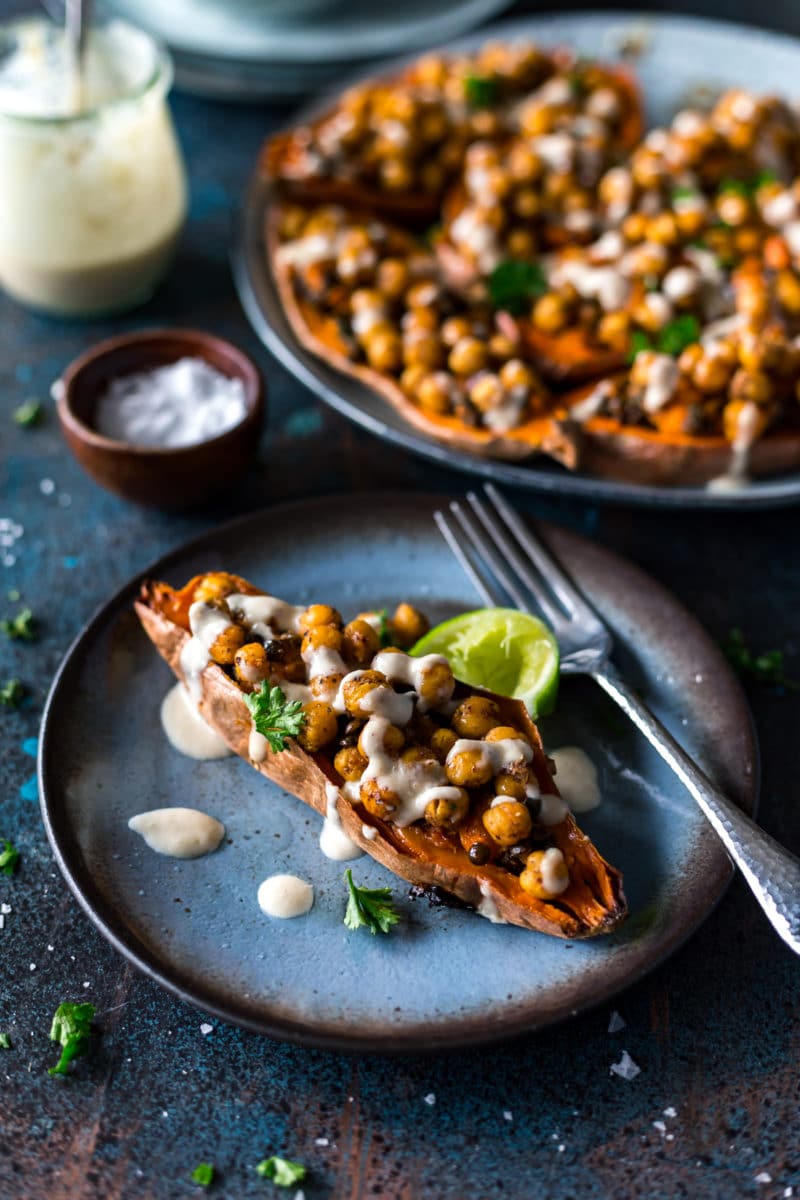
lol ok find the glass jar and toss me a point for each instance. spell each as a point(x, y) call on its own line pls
point(93, 194)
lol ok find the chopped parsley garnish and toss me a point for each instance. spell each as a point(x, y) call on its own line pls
point(371, 907)
point(746, 187)
point(29, 413)
point(22, 626)
point(275, 717)
point(513, 284)
point(766, 667)
point(71, 1029)
point(203, 1174)
point(673, 339)
point(12, 693)
point(481, 91)
point(5, 1041)
point(9, 858)
point(684, 192)
point(384, 632)
point(282, 1171)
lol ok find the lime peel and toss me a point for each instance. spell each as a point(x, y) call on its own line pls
point(500, 649)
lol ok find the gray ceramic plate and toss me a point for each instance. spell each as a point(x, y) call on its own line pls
point(443, 977)
point(681, 54)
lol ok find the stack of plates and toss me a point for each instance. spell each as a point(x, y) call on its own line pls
point(284, 49)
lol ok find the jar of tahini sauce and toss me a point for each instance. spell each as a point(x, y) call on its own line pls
point(93, 192)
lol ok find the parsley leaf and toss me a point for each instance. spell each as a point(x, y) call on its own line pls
point(384, 632)
point(12, 693)
point(678, 334)
point(639, 342)
point(512, 284)
point(275, 717)
point(203, 1174)
point(282, 1171)
point(684, 192)
point(9, 858)
point(5, 1041)
point(29, 413)
point(369, 906)
point(71, 1028)
point(766, 668)
point(21, 626)
point(481, 91)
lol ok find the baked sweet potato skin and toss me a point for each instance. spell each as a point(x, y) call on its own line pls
point(593, 904)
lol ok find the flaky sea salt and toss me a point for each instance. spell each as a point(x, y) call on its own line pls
point(430, 1099)
point(616, 1022)
point(626, 1068)
point(181, 404)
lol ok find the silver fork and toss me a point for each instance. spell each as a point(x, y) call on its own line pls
point(496, 537)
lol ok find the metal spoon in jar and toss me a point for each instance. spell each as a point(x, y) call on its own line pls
point(77, 19)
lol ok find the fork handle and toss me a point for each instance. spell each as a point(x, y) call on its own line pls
point(771, 871)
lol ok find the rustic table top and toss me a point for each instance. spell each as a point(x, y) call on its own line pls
point(716, 1030)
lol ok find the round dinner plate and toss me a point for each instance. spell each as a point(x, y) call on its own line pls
point(678, 56)
point(443, 977)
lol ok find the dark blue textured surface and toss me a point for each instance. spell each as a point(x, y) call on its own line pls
point(716, 1031)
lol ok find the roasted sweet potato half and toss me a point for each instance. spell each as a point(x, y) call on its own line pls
point(460, 857)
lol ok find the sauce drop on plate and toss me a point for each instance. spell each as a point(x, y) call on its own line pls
point(333, 841)
point(576, 776)
point(285, 896)
point(178, 832)
point(185, 728)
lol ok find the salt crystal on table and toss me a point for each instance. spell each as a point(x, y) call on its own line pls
point(763, 1177)
point(626, 1068)
point(660, 1126)
point(670, 1112)
point(616, 1023)
point(507, 1115)
point(205, 1029)
point(430, 1099)
point(321, 1142)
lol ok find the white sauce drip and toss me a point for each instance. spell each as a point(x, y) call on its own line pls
point(257, 746)
point(285, 896)
point(487, 906)
point(553, 880)
point(497, 755)
point(606, 284)
point(576, 776)
point(206, 624)
point(369, 832)
point(737, 476)
point(264, 614)
point(181, 404)
point(186, 730)
point(402, 668)
point(333, 841)
point(414, 784)
point(662, 381)
point(178, 832)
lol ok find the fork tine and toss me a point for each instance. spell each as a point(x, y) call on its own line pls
point(508, 550)
point(491, 600)
point(552, 571)
point(485, 548)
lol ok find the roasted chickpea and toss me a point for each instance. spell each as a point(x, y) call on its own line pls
point(319, 614)
point(508, 822)
point(393, 740)
point(517, 374)
point(614, 330)
point(468, 768)
point(422, 348)
point(523, 163)
point(320, 726)
point(329, 636)
point(507, 784)
point(454, 329)
point(360, 642)
point(436, 684)
point(689, 358)
point(250, 664)
point(663, 229)
point(442, 742)
point(283, 656)
point(448, 810)
point(325, 687)
point(378, 799)
point(215, 587)
point(504, 733)
point(521, 243)
point(526, 205)
point(787, 291)
point(408, 624)
point(350, 763)
point(223, 648)
point(752, 386)
point(392, 277)
point(634, 227)
point(384, 350)
point(396, 175)
point(502, 347)
point(468, 356)
point(487, 392)
point(355, 691)
point(421, 296)
point(412, 377)
point(546, 874)
point(414, 755)
point(435, 392)
point(550, 313)
point(475, 717)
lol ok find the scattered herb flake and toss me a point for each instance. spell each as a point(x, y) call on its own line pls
point(29, 413)
point(639, 342)
point(12, 693)
point(9, 858)
point(384, 632)
point(676, 335)
point(481, 91)
point(282, 1171)
point(275, 717)
point(371, 907)
point(21, 627)
point(684, 192)
point(5, 1041)
point(513, 284)
point(71, 1029)
point(766, 667)
point(734, 187)
point(203, 1174)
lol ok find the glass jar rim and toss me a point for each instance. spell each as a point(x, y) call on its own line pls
point(159, 78)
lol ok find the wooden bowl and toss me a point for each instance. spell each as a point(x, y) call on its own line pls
point(171, 478)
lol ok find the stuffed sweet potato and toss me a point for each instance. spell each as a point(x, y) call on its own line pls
point(446, 786)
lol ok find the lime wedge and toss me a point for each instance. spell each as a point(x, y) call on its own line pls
point(503, 650)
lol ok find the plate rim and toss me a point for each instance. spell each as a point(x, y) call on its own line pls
point(252, 276)
point(420, 1038)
